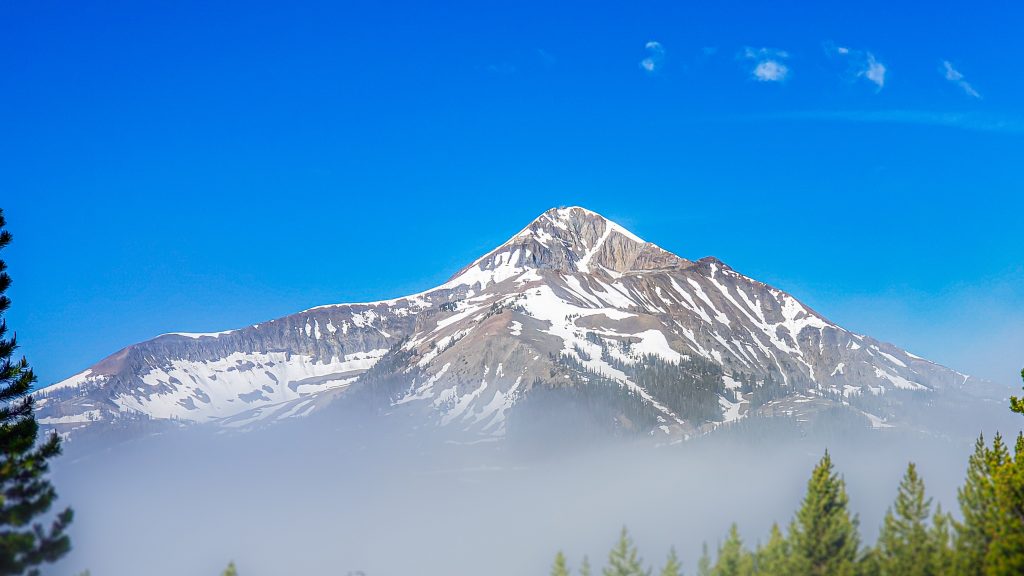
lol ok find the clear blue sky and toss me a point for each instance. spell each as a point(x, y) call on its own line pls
point(197, 167)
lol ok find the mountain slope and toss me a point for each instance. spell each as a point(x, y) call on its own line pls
point(572, 302)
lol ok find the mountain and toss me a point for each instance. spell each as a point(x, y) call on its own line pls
point(573, 310)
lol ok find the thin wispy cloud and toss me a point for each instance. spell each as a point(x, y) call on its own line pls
point(655, 57)
point(768, 64)
point(500, 69)
point(956, 77)
point(862, 64)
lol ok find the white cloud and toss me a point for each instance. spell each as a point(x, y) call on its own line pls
point(956, 77)
point(863, 64)
point(768, 65)
point(771, 71)
point(875, 71)
point(655, 56)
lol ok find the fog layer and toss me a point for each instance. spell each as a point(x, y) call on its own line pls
point(313, 498)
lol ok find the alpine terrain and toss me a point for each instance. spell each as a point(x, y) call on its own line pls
point(573, 309)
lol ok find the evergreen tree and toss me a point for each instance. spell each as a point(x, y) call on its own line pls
point(704, 564)
point(823, 535)
point(230, 570)
point(623, 560)
point(977, 499)
point(870, 563)
point(733, 559)
point(942, 560)
point(1006, 552)
point(1017, 404)
point(559, 568)
point(25, 492)
point(672, 567)
point(904, 543)
point(772, 559)
point(585, 567)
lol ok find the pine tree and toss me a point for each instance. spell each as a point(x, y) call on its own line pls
point(704, 564)
point(1006, 552)
point(559, 568)
point(25, 492)
point(230, 570)
point(823, 535)
point(672, 567)
point(870, 563)
point(772, 559)
point(977, 499)
point(942, 560)
point(623, 560)
point(1017, 404)
point(733, 559)
point(585, 567)
point(904, 543)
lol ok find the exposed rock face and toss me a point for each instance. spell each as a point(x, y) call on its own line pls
point(573, 300)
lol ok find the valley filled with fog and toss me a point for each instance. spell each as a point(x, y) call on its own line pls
point(340, 494)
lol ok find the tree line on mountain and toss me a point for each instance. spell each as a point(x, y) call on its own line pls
point(578, 404)
point(690, 387)
point(915, 539)
point(580, 397)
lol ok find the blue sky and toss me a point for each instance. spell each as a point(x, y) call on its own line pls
point(194, 167)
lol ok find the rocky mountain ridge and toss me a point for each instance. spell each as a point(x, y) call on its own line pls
point(572, 302)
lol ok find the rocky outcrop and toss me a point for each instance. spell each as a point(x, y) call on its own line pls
point(571, 300)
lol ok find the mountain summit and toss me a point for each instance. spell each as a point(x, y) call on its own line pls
point(574, 240)
point(574, 307)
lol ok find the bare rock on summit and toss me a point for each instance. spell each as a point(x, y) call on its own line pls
point(574, 306)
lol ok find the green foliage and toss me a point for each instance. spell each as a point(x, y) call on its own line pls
point(624, 560)
point(941, 537)
point(904, 543)
point(772, 559)
point(1006, 552)
point(704, 564)
point(585, 567)
point(672, 566)
point(559, 568)
point(593, 408)
point(1017, 404)
point(25, 492)
point(767, 391)
point(977, 507)
point(823, 536)
point(230, 570)
point(733, 558)
point(690, 388)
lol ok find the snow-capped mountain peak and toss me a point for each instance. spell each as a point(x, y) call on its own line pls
point(572, 305)
point(571, 240)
